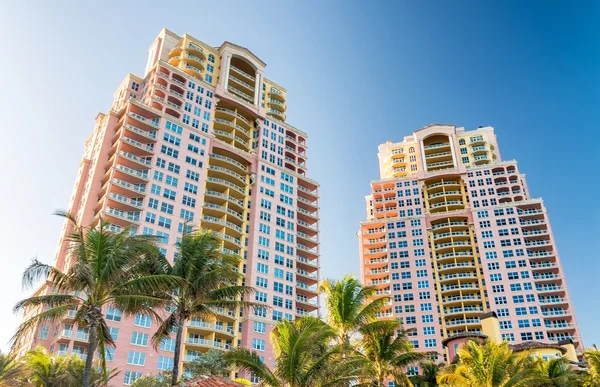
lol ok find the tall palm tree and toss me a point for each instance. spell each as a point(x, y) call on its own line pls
point(556, 372)
point(592, 356)
point(304, 357)
point(428, 377)
point(11, 371)
point(387, 352)
point(209, 279)
point(489, 365)
point(106, 268)
point(349, 306)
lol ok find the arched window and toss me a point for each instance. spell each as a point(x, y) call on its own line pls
point(462, 141)
point(211, 58)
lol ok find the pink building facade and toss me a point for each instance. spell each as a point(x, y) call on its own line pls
point(452, 232)
point(201, 137)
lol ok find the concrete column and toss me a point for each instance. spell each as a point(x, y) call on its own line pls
point(226, 71)
point(423, 161)
point(454, 161)
point(257, 88)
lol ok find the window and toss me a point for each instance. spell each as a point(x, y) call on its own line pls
point(142, 320)
point(188, 201)
point(260, 297)
point(258, 344)
point(165, 363)
point(260, 327)
point(131, 376)
point(167, 344)
point(113, 314)
point(138, 338)
point(430, 343)
point(136, 358)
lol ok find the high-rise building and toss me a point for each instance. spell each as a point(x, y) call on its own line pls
point(200, 137)
point(452, 232)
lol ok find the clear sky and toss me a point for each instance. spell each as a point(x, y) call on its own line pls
point(358, 74)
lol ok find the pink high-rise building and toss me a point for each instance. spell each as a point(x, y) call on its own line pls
point(452, 232)
point(200, 137)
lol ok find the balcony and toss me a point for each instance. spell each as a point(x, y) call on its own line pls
point(304, 213)
point(452, 204)
point(209, 344)
point(204, 326)
point(153, 123)
point(276, 94)
point(454, 255)
point(277, 114)
point(243, 96)
point(236, 115)
point(133, 217)
point(145, 134)
point(475, 141)
point(461, 299)
point(456, 276)
point(226, 171)
point(448, 225)
point(247, 77)
point(229, 199)
point(468, 321)
point(123, 202)
point(554, 301)
point(444, 194)
point(459, 266)
point(222, 222)
point(137, 188)
point(146, 162)
point(437, 145)
point(459, 234)
point(464, 310)
point(307, 263)
point(215, 181)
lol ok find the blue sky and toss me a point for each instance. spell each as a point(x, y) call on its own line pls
point(358, 74)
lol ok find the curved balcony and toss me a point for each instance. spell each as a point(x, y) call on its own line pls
point(442, 195)
point(127, 188)
point(222, 198)
point(462, 299)
point(197, 325)
point(476, 141)
point(242, 74)
point(192, 69)
point(216, 184)
point(277, 114)
point(195, 60)
point(206, 344)
point(196, 50)
point(478, 150)
point(455, 267)
point(463, 322)
point(306, 276)
point(228, 162)
point(454, 235)
point(400, 173)
point(240, 84)
point(454, 225)
point(450, 289)
point(239, 93)
point(277, 104)
point(240, 119)
point(130, 175)
point(175, 52)
point(446, 206)
point(175, 60)
point(455, 277)
point(463, 311)
point(449, 246)
point(223, 223)
point(396, 163)
point(218, 211)
point(276, 94)
point(227, 174)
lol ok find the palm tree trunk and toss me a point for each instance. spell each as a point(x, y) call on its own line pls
point(90, 355)
point(177, 355)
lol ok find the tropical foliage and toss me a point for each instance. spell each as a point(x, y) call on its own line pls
point(210, 281)
point(305, 357)
point(39, 368)
point(106, 269)
point(347, 308)
point(387, 352)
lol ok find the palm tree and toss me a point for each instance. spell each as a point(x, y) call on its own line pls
point(556, 372)
point(349, 306)
point(209, 279)
point(592, 356)
point(11, 371)
point(428, 377)
point(387, 352)
point(46, 370)
point(304, 357)
point(106, 268)
point(489, 365)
